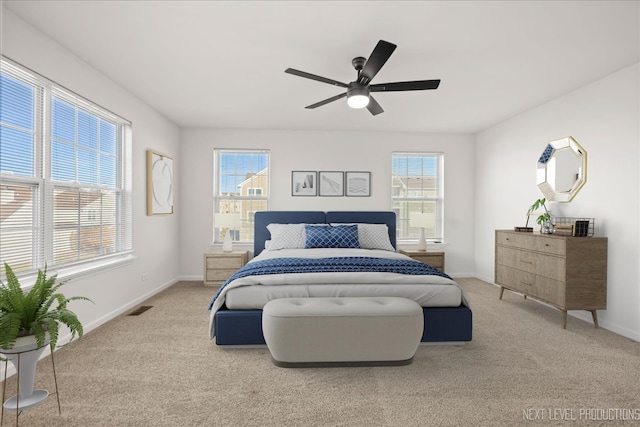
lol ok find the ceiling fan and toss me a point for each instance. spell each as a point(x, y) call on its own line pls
point(359, 91)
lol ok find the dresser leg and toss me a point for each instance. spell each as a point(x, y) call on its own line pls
point(564, 319)
point(501, 291)
point(594, 314)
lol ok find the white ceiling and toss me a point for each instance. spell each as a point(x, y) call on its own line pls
point(221, 64)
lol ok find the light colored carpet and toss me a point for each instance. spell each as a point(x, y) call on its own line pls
point(160, 369)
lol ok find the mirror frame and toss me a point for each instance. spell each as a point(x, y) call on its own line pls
point(543, 172)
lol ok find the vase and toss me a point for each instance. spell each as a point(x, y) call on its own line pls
point(24, 356)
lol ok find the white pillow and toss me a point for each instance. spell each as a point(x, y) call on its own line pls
point(373, 236)
point(286, 236)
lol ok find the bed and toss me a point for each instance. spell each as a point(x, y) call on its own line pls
point(370, 266)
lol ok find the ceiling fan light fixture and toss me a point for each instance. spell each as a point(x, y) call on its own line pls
point(357, 97)
point(357, 93)
point(358, 101)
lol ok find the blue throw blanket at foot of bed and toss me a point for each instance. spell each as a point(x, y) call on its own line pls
point(331, 265)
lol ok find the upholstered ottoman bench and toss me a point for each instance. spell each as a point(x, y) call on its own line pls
point(345, 331)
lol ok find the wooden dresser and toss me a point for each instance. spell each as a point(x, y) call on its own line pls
point(569, 273)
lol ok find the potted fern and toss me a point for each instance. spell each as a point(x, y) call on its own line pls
point(28, 322)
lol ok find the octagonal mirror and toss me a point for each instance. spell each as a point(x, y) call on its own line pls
point(562, 170)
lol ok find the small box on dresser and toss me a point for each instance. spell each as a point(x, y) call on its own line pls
point(569, 273)
point(219, 266)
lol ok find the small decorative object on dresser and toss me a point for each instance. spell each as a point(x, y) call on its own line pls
point(433, 258)
point(219, 266)
point(543, 219)
point(568, 273)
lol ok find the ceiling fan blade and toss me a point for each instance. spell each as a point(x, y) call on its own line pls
point(326, 101)
point(374, 107)
point(377, 59)
point(401, 86)
point(314, 77)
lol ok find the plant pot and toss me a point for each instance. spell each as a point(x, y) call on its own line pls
point(24, 356)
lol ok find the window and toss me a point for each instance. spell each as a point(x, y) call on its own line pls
point(417, 187)
point(241, 185)
point(65, 177)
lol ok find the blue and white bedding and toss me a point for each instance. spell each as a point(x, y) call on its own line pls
point(330, 272)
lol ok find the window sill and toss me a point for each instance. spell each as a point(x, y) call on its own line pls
point(80, 270)
point(431, 246)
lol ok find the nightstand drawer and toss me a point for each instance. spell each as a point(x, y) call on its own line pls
point(224, 262)
point(219, 266)
point(434, 259)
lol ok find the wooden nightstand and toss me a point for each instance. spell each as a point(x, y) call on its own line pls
point(219, 266)
point(433, 258)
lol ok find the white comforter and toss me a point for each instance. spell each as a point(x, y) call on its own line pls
point(370, 279)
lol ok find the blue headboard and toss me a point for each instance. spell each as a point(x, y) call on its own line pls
point(264, 218)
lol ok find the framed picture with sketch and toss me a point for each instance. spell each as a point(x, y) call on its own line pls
point(358, 184)
point(331, 184)
point(304, 183)
point(159, 184)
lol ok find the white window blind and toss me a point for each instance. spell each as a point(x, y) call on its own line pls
point(417, 187)
point(65, 168)
point(241, 183)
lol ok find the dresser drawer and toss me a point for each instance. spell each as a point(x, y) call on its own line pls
point(554, 291)
point(549, 245)
point(515, 240)
point(518, 280)
point(518, 259)
point(552, 267)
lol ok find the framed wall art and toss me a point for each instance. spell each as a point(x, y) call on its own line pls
point(159, 184)
point(331, 183)
point(358, 184)
point(304, 183)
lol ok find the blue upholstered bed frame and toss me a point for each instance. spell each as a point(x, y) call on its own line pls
point(244, 327)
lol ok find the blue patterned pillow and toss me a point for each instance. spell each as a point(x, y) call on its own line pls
point(342, 236)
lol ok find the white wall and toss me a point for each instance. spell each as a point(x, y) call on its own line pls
point(317, 151)
point(604, 117)
point(154, 238)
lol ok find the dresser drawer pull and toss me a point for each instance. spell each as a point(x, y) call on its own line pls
point(525, 283)
point(526, 262)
